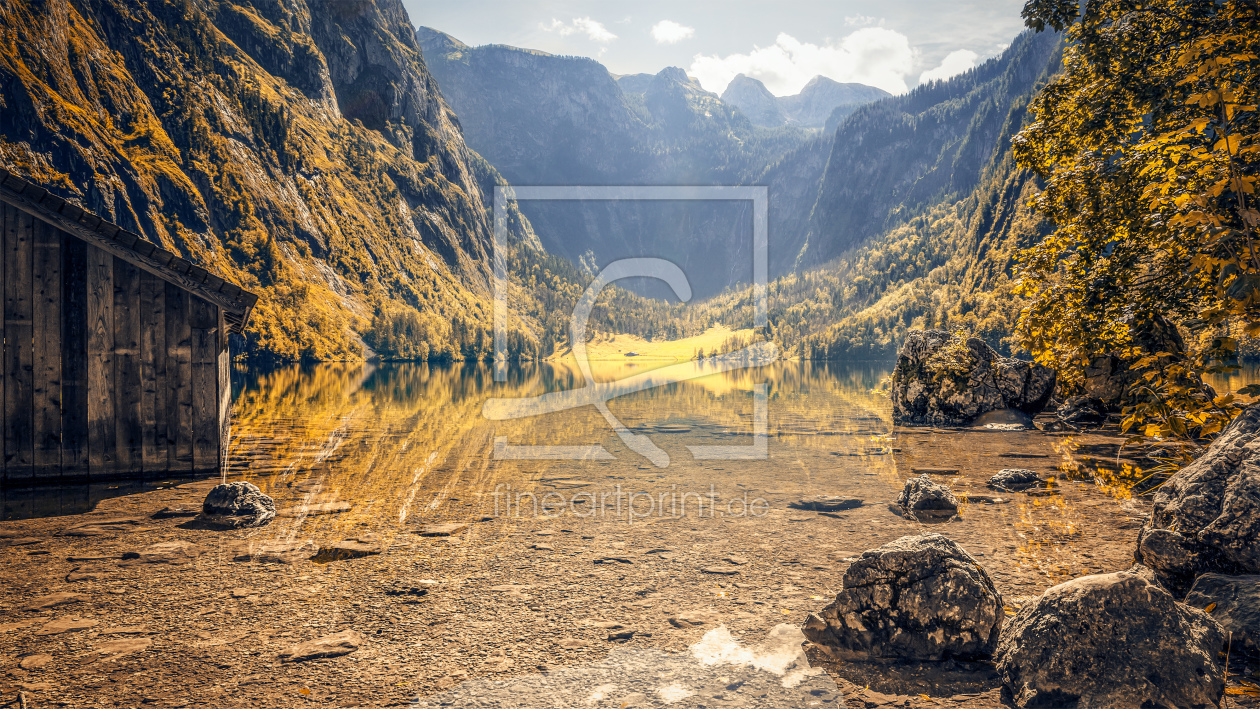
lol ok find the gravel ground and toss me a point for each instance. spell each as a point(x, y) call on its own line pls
point(524, 606)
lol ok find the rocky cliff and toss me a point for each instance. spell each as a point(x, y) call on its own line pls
point(298, 147)
point(893, 158)
point(553, 120)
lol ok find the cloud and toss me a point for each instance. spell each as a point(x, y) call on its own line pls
point(595, 31)
point(670, 32)
point(956, 62)
point(862, 21)
point(872, 56)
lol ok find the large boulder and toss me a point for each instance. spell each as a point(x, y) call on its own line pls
point(237, 504)
point(1206, 518)
point(943, 379)
point(917, 598)
point(922, 496)
point(1109, 377)
point(1234, 603)
point(1111, 641)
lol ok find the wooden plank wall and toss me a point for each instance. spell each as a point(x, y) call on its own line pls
point(108, 371)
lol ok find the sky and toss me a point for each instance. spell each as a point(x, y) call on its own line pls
point(892, 44)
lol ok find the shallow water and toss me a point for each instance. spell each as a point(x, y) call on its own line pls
point(559, 559)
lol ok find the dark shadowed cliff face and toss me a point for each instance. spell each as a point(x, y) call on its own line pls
point(299, 147)
point(893, 158)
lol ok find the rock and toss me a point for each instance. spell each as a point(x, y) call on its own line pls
point(237, 504)
point(921, 496)
point(1113, 641)
point(77, 575)
point(319, 508)
point(942, 379)
point(115, 649)
point(66, 625)
point(1108, 378)
point(826, 503)
point(35, 662)
point(103, 527)
point(624, 634)
point(348, 549)
point(720, 570)
point(613, 560)
point(736, 559)
point(52, 600)
point(335, 645)
point(689, 620)
point(442, 530)
point(571, 643)
point(1206, 517)
point(174, 553)
point(1083, 411)
point(169, 512)
point(935, 471)
point(276, 552)
point(1235, 605)
point(917, 598)
point(542, 547)
point(20, 541)
point(410, 589)
point(1014, 480)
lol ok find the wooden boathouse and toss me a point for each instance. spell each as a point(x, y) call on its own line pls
point(115, 356)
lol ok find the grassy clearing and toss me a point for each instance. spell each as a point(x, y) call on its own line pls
point(616, 347)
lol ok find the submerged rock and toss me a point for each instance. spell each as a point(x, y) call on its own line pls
point(103, 527)
point(357, 548)
point(923, 496)
point(174, 553)
point(825, 503)
point(1111, 641)
point(1234, 603)
point(279, 551)
point(1014, 480)
point(237, 504)
point(942, 379)
point(917, 598)
point(1206, 518)
point(335, 645)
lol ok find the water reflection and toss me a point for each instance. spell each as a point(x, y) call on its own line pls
point(387, 435)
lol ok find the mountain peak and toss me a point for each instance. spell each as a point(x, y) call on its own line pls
point(674, 73)
point(755, 101)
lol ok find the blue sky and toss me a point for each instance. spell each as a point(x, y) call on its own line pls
point(893, 44)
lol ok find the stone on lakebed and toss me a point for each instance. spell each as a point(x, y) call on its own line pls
point(1111, 641)
point(917, 598)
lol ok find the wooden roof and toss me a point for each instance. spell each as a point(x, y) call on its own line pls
point(237, 303)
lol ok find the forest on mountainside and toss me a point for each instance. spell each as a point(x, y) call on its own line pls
point(298, 149)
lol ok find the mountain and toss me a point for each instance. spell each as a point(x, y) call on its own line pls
point(542, 119)
point(813, 107)
point(300, 148)
point(894, 158)
point(634, 83)
point(755, 100)
point(815, 103)
point(919, 218)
